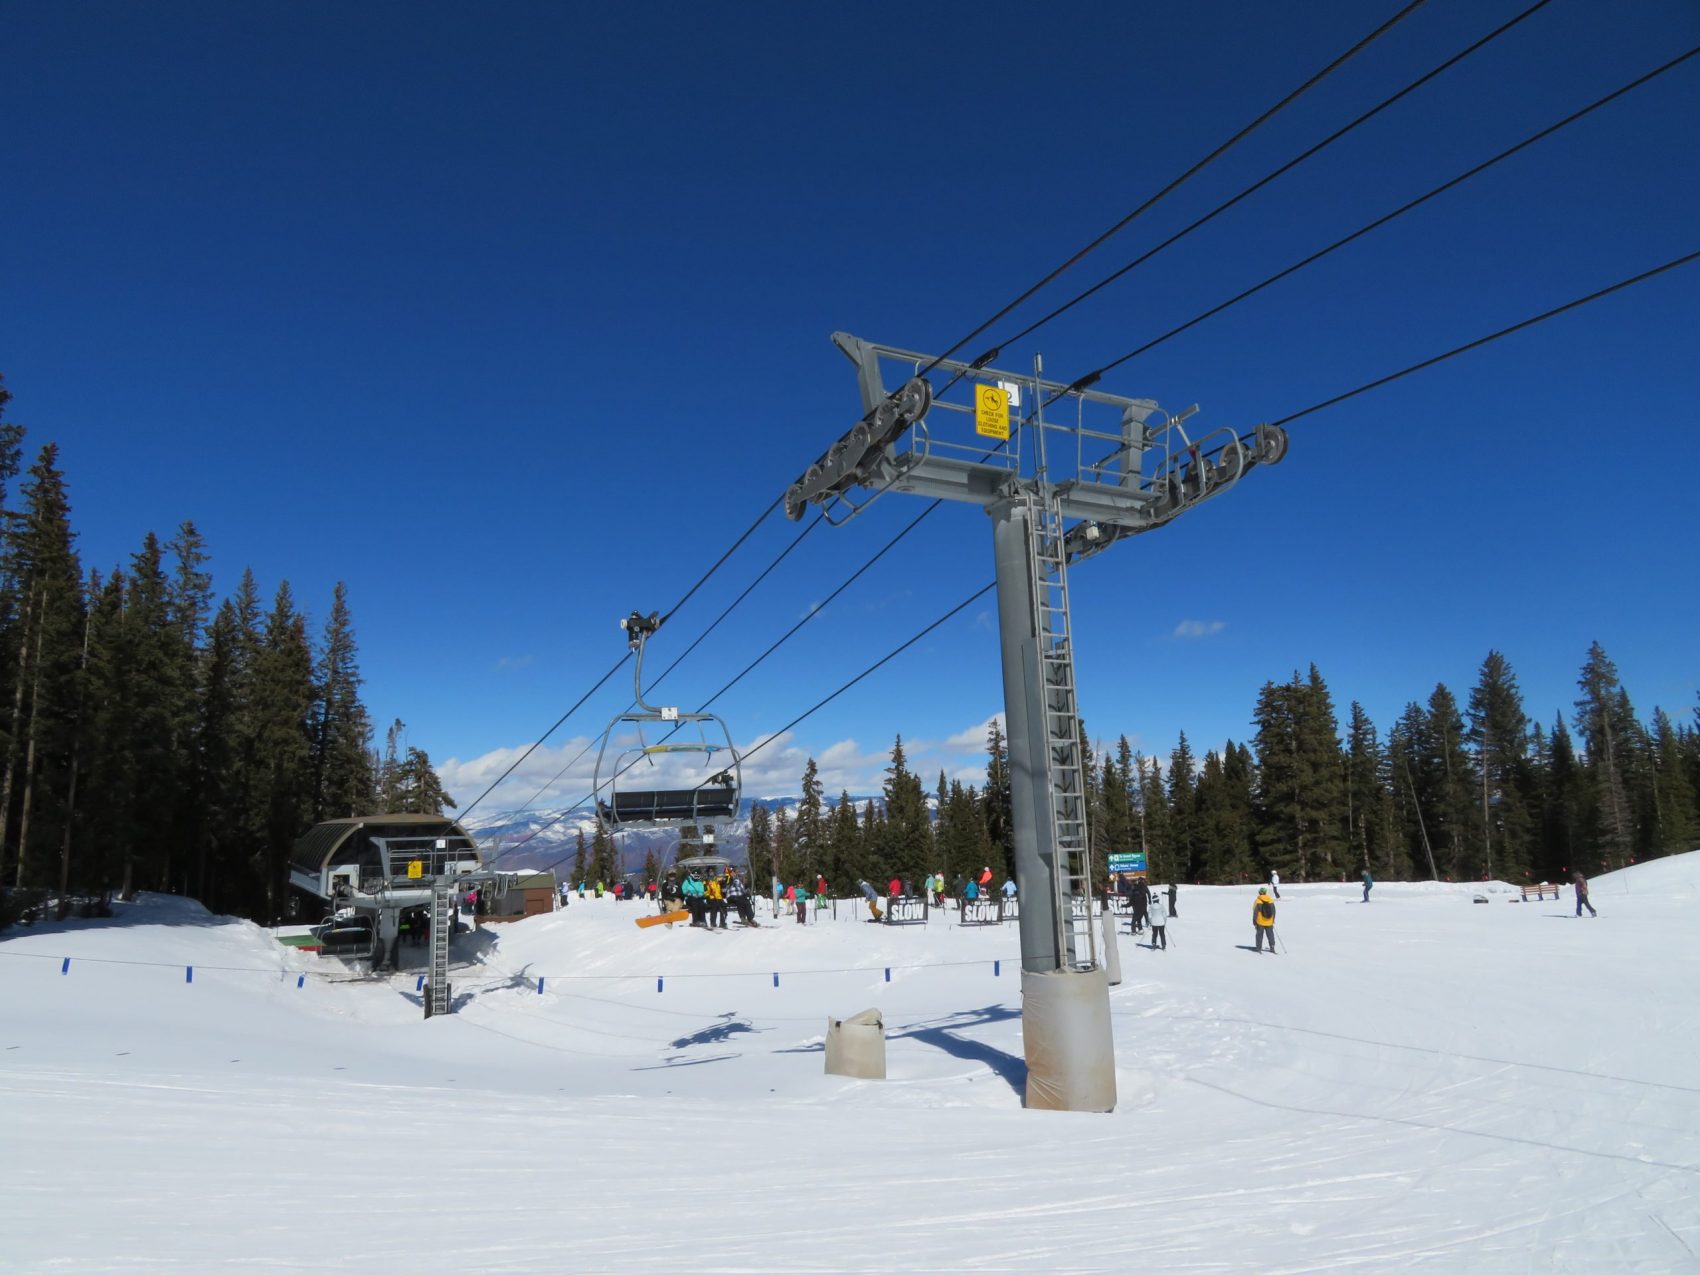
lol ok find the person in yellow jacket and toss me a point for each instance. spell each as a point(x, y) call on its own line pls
point(714, 903)
point(1263, 920)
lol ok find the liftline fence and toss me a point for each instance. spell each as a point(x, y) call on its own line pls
point(770, 977)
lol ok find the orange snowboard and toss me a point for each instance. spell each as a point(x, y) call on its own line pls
point(666, 918)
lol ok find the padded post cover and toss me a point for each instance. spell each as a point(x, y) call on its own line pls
point(1065, 1031)
point(855, 1046)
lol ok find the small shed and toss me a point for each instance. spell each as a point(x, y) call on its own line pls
point(529, 894)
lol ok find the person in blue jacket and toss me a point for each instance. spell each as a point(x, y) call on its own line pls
point(1369, 884)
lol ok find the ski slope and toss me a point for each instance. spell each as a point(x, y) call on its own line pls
point(1419, 1083)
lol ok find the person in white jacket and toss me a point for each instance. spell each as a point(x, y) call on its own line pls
point(1158, 918)
point(1275, 883)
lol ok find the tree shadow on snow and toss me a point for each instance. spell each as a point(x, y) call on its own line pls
point(722, 1031)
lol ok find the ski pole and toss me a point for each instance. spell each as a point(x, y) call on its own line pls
point(1283, 943)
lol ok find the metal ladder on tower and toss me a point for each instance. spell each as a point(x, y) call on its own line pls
point(438, 998)
point(1066, 778)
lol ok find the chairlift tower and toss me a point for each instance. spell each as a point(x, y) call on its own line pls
point(1064, 471)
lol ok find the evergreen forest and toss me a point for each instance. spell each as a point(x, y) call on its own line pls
point(156, 737)
point(1455, 792)
point(155, 740)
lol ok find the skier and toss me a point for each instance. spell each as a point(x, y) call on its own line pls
point(1159, 919)
point(936, 885)
point(714, 904)
point(802, 905)
point(1369, 884)
point(971, 891)
point(1174, 892)
point(985, 878)
point(1263, 920)
point(693, 892)
point(1141, 903)
point(1009, 887)
point(1275, 883)
point(1581, 884)
point(739, 897)
point(873, 899)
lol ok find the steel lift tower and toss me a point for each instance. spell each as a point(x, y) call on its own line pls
point(1064, 471)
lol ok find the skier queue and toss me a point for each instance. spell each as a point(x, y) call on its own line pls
point(708, 898)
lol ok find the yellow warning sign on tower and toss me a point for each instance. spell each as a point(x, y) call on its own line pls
point(415, 869)
point(991, 411)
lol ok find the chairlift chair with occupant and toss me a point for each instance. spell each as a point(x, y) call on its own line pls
point(630, 793)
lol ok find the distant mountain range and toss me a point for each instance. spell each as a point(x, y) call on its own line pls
point(551, 836)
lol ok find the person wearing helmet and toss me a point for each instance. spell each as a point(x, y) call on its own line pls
point(985, 880)
point(1263, 919)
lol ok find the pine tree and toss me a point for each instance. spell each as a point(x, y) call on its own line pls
point(997, 801)
point(760, 849)
point(1364, 804)
point(343, 783)
point(844, 846)
point(790, 869)
point(1676, 815)
point(580, 860)
point(1225, 816)
point(46, 693)
point(283, 703)
point(1606, 729)
point(1183, 814)
point(1155, 831)
point(1499, 729)
point(908, 832)
point(809, 828)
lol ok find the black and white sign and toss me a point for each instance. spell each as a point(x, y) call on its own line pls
point(981, 912)
point(1010, 909)
point(907, 910)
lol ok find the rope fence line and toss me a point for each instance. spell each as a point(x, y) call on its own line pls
point(517, 979)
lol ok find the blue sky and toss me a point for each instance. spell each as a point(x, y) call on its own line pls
point(514, 317)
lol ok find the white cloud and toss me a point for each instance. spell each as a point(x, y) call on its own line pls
point(514, 661)
point(1199, 628)
point(974, 738)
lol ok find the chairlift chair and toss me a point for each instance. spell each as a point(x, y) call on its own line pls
point(623, 797)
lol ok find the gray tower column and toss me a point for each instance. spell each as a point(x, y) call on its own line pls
point(1023, 702)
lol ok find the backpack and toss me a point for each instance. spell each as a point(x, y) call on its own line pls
point(1266, 910)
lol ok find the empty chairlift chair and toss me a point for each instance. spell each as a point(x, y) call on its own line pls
point(640, 784)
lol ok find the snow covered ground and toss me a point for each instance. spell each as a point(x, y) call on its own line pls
point(1419, 1083)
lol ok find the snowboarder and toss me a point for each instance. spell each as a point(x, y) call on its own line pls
point(1263, 920)
point(873, 899)
point(1275, 883)
point(1581, 884)
point(1369, 884)
point(1159, 920)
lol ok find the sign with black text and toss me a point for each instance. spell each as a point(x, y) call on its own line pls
point(1010, 909)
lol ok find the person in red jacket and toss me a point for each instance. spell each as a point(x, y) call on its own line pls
point(895, 888)
point(985, 880)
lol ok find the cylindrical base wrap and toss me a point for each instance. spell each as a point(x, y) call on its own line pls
point(1065, 1032)
point(855, 1046)
point(1112, 955)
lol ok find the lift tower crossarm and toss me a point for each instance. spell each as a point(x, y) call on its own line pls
point(1119, 467)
